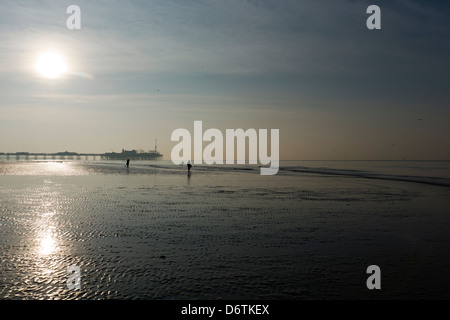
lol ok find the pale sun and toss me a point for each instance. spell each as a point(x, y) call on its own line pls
point(51, 65)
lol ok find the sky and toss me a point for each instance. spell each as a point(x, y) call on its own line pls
point(138, 70)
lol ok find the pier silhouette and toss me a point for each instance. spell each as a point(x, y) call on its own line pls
point(66, 155)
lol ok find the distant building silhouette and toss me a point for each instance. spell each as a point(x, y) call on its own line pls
point(132, 155)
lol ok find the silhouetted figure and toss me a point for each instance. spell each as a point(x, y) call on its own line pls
point(128, 163)
point(189, 165)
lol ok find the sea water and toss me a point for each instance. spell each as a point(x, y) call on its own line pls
point(153, 231)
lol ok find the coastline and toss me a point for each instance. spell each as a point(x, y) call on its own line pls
point(157, 233)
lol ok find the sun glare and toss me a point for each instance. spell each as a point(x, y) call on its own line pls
point(51, 65)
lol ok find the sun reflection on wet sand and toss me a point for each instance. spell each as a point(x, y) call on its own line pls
point(46, 230)
point(47, 271)
point(43, 168)
point(48, 245)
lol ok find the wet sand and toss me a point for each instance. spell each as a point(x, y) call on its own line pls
point(161, 234)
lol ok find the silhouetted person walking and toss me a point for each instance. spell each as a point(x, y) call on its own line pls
point(128, 163)
point(189, 165)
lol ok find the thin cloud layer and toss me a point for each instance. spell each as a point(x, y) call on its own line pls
point(179, 61)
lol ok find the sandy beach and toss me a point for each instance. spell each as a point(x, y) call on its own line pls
point(155, 232)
